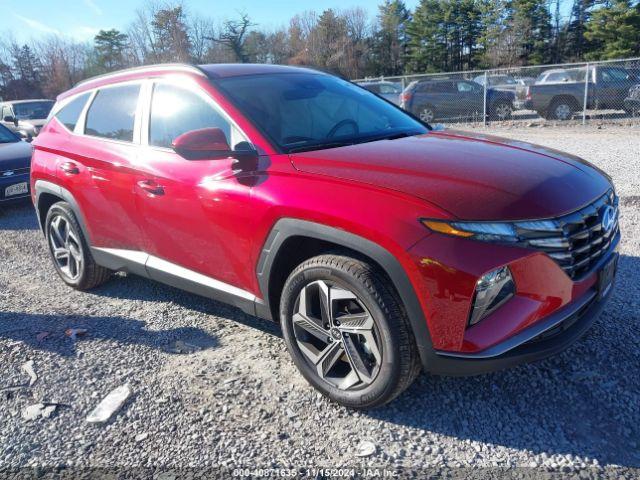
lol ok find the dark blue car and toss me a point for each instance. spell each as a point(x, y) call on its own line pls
point(15, 164)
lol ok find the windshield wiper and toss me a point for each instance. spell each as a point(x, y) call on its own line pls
point(353, 141)
point(321, 146)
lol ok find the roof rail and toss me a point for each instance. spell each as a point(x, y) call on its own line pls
point(160, 66)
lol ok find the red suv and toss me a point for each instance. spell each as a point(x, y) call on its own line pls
point(382, 246)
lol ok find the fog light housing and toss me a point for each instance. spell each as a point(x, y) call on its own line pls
point(492, 291)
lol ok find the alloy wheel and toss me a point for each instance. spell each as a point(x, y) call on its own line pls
point(65, 247)
point(337, 335)
point(563, 111)
point(427, 115)
point(503, 110)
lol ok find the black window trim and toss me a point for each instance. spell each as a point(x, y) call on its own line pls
point(58, 106)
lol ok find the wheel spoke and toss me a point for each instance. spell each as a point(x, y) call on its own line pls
point(355, 322)
point(324, 292)
point(60, 253)
point(55, 230)
point(328, 358)
point(310, 325)
point(355, 359)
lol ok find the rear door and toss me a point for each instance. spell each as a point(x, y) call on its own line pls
point(99, 167)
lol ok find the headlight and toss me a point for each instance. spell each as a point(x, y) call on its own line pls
point(486, 231)
point(492, 291)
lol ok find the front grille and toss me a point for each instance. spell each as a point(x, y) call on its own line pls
point(13, 172)
point(575, 241)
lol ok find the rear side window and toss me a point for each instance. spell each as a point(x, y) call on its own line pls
point(112, 113)
point(175, 111)
point(69, 114)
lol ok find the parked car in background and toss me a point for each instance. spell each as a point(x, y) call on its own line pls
point(455, 100)
point(558, 75)
point(500, 82)
point(25, 117)
point(15, 161)
point(607, 88)
point(632, 102)
point(388, 90)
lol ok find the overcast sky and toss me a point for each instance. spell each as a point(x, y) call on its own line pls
point(81, 19)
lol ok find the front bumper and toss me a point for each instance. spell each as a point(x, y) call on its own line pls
point(549, 337)
point(547, 301)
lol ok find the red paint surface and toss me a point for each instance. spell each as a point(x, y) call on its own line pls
point(214, 219)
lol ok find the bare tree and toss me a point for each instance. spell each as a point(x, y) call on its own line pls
point(233, 36)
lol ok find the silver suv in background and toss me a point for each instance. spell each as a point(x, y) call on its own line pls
point(388, 90)
point(25, 117)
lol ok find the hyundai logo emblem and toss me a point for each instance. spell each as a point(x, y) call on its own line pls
point(608, 218)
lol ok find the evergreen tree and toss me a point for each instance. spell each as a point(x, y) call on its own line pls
point(614, 31)
point(390, 38)
point(110, 46)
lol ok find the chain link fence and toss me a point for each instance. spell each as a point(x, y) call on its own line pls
point(577, 92)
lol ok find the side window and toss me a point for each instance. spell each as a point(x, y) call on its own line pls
point(175, 111)
point(6, 112)
point(112, 113)
point(464, 87)
point(388, 89)
point(69, 114)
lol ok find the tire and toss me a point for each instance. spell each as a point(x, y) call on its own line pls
point(364, 361)
point(561, 109)
point(427, 113)
point(66, 241)
point(501, 111)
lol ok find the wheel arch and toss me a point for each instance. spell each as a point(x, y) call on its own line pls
point(570, 99)
point(292, 241)
point(48, 193)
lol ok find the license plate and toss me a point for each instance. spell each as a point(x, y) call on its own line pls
point(606, 275)
point(17, 189)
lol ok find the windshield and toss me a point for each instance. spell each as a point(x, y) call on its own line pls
point(7, 136)
point(32, 110)
point(307, 111)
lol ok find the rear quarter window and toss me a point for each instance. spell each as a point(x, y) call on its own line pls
point(70, 113)
point(112, 113)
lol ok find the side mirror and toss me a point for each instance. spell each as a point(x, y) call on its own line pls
point(206, 143)
point(10, 119)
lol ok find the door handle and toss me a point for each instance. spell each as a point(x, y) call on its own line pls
point(70, 168)
point(151, 187)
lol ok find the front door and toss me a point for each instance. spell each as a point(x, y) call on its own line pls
point(196, 213)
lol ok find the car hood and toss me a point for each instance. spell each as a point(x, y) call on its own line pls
point(14, 155)
point(472, 176)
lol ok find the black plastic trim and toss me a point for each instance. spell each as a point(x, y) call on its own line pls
point(44, 186)
point(290, 227)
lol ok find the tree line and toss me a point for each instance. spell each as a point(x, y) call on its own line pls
point(438, 35)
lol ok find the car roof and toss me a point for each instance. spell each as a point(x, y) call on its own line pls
point(211, 71)
point(226, 70)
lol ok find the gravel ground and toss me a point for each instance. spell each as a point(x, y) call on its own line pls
point(237, 400)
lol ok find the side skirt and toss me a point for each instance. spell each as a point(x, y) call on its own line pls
point(154, 268)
